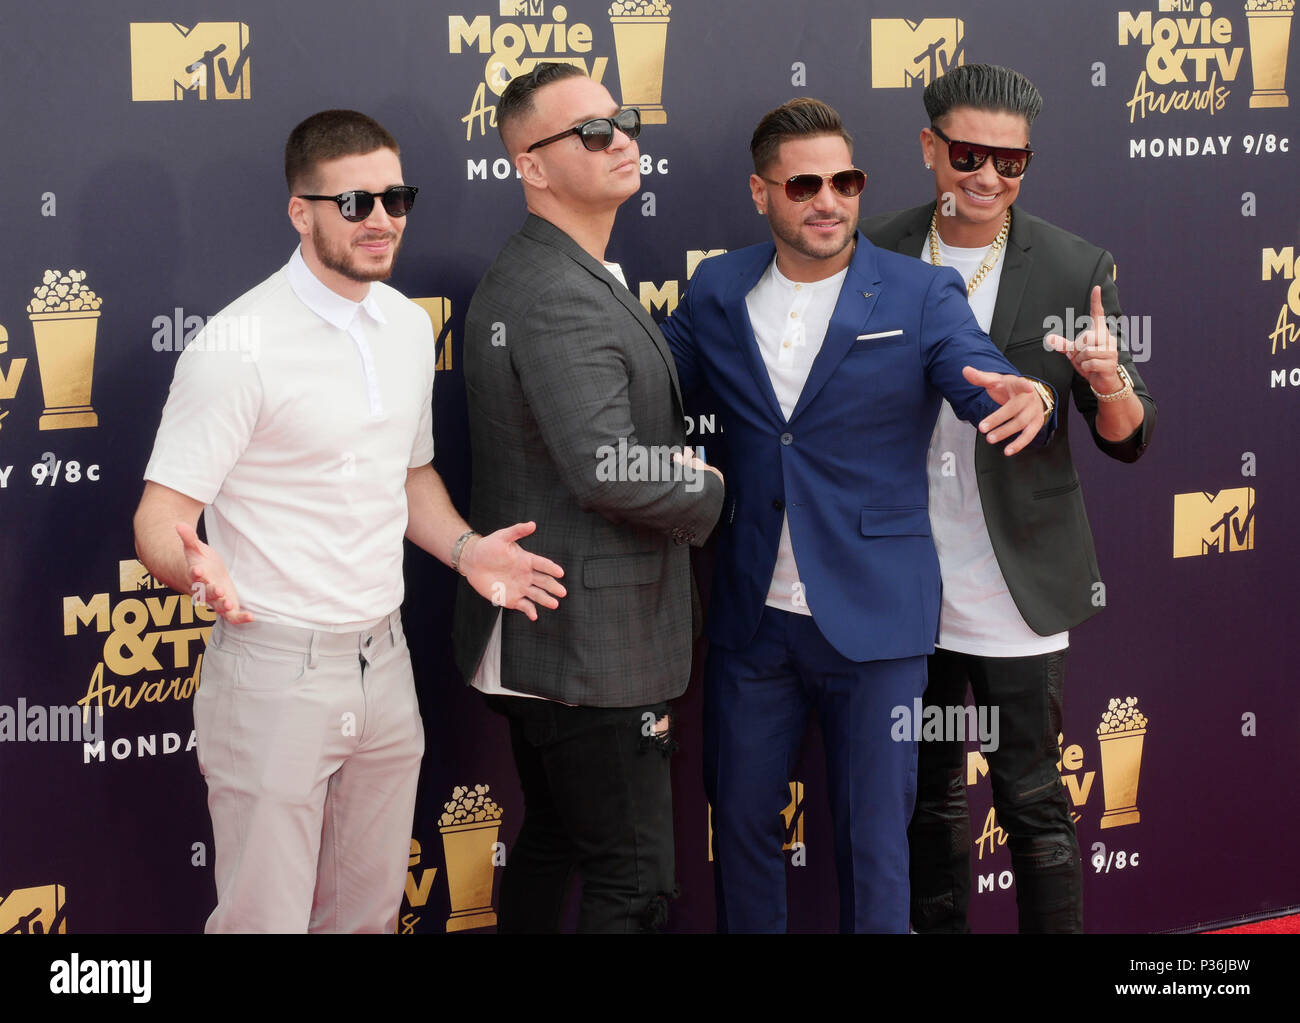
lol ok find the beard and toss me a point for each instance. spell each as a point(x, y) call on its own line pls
point(345, 259)
point(789, 231)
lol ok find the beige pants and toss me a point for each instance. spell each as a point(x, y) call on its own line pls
point(311, 744)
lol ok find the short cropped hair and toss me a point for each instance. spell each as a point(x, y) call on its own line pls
point(517, 100)
point(983, 87)
point(328, 136)
point(799, 118)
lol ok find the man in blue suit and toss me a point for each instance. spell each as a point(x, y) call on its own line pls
point(827, 359)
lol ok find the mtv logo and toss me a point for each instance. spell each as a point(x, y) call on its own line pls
point(131, 576)
point(522, 9)
point(694, 257)
point(906, 52)
point(792, 815)
point(1174, 6)
point(1207, 523)
point(41, 910)
point(439, 310)
point(172, 62)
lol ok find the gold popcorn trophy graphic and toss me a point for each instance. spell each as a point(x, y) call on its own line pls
point(65, 315)
point(469, 829)
point(641, 40)
point(1269, 22)
point(1120, 735)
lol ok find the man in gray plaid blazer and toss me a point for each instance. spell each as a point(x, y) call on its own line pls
point(576, 422)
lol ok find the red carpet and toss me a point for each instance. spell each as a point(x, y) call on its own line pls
point(1277, 925)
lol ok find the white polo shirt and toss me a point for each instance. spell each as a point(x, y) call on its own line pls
point(294, 416)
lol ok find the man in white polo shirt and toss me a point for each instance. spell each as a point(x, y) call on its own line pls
point(311, 452)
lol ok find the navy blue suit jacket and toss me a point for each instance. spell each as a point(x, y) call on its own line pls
point(849, 466)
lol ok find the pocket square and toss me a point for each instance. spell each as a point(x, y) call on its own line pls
point(877, 337)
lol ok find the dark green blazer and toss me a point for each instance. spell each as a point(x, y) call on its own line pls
point(1033, 504)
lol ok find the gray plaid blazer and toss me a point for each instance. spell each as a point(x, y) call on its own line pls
point(574, 406)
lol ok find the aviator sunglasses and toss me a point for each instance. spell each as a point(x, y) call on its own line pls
point(598, 133)
point(802, 187)
point(357, 205)
point(970, 156)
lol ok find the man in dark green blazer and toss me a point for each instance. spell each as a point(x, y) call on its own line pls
point(1015, 550)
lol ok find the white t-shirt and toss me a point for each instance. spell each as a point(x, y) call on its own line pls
point(298, 439)
point(978, 615)
point(790, 320)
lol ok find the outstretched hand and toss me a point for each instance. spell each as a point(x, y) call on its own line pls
point(509, 576)
point(210, 582)
point(1094, 353)
point(1021, 414)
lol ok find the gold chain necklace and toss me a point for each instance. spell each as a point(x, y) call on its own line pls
point(990, 257)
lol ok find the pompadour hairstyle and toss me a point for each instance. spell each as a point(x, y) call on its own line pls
point(517, 100)
point(983, 87)
point(328, 136)
point(799, 118)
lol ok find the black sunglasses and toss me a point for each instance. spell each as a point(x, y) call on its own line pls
point(598, 133)
point(357, 205)
point(803, 187)
point(970, 156)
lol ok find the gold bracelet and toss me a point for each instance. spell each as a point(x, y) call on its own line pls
point(1045, 396)
point(1122, 393)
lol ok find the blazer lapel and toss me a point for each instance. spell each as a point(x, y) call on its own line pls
point(1016, 265)
point(544, 231)
point(733, 301)
point(913, 243)
point(853, 309)
point(632, 305)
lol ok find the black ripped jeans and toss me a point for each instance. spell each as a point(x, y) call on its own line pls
point(598, 799)
point(1028, 796)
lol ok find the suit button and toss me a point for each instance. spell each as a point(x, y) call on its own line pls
point(787, 438)
point(778, 504)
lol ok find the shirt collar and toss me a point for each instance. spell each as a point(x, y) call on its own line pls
point(835, 280)
point(326, 303)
